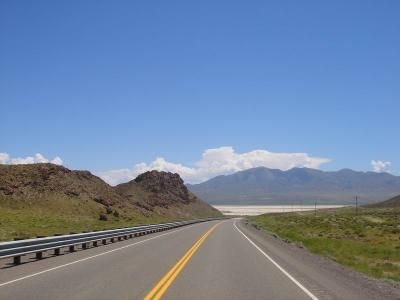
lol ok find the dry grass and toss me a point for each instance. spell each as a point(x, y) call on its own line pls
point(61, 216)
point(368, 241)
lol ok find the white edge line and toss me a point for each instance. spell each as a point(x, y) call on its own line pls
point(87, 258)
point(303, 288)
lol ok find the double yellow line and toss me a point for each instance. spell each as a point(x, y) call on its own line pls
point(158, 291)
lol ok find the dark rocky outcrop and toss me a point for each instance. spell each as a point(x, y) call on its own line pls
point(103, 217)
point(167, 188)
point(164, 193)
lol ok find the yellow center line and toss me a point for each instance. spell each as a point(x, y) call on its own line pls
point(161, 287)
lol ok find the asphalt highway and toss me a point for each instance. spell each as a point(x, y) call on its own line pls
point(213, 260)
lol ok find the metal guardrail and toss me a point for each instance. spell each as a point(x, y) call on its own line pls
point(17, 249)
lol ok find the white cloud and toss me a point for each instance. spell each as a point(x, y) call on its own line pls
point(217, 161)
point(37, 158)
point(380, 166)
point(57, 161)
point(114, 177)
point(4, 158)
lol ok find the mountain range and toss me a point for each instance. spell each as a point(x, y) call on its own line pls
point(298, 186)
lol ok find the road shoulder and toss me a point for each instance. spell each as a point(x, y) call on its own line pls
point(324, 277)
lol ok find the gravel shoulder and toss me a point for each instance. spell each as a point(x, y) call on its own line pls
point(324, 277)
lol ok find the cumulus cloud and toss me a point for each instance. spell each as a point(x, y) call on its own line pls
point(57, 161)
point(4, 158)
point(380, 166)
point(37, 158)
point(217, 161)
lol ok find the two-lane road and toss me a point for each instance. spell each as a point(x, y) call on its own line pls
point(212, 260)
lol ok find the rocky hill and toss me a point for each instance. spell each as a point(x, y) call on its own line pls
point(298, 185)
point(46, 198)
point(390, 203)
point(58, 189)
point(38, 181)
point(164, 194)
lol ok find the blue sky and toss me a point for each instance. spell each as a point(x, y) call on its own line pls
point(106, 85)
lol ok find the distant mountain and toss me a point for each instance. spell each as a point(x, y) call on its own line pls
point(298, 185)
point(391, 203)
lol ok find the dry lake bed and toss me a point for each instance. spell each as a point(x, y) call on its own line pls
point(253, 210)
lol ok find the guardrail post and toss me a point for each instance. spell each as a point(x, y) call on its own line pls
point(17, 260)
point(95, 244)
point(72, 248)
point(84, 246)
point(39, 255)
point(57, 251)
point(112, 240)
point(104, 241)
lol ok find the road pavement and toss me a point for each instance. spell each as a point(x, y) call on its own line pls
point(213, 260)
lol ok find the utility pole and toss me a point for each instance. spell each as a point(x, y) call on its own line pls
point(356, 205)
point(315, 208)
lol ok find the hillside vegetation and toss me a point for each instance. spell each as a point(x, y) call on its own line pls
point(392, 202)
point(368, 241)
point(45, 199)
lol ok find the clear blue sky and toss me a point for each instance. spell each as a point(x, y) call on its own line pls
point(107, 84)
